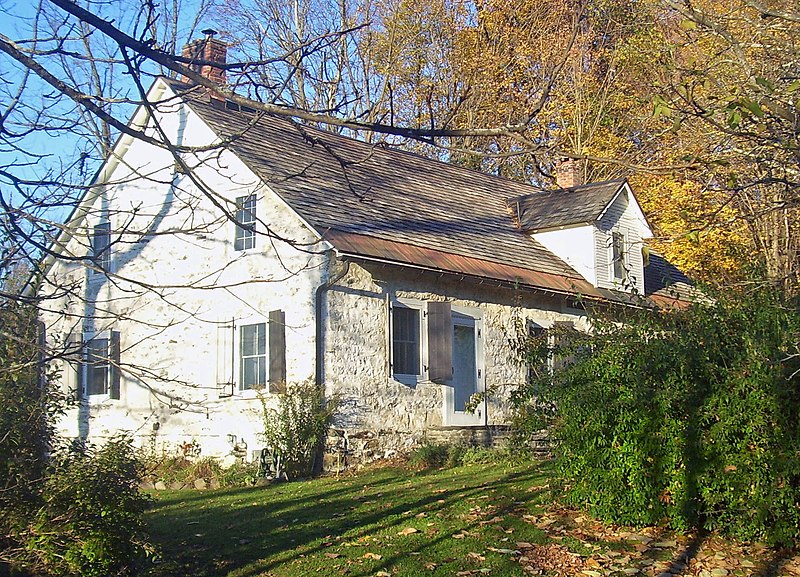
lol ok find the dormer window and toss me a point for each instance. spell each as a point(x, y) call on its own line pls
point(618, 255)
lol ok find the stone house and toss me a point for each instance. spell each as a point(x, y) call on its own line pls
point(196, 280)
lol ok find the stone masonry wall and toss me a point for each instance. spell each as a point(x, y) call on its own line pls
point(380, 416)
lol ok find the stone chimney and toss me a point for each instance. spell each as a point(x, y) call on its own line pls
point(569, 173)
point(206, 52)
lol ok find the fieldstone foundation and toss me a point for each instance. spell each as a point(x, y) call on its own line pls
point(345, 449)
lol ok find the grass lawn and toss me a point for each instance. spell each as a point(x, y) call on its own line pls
point(385, 520)
point(496, 520)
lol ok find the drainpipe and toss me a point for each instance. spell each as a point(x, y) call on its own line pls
point(320, 322)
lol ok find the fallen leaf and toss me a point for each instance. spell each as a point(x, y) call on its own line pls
point(333, 555)
point(476, 556)
point(374, 556)
point(430, 566)
point(408, 531)
point(383, 574)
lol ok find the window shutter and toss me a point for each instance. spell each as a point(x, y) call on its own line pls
point(113, 365)
point(73, 371)
point(561, 341)
point(277, 352)
point(41, 365)
point(225, 364)
point(440, 342)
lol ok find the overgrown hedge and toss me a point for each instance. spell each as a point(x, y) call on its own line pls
point(685, 416)
point(64, 510)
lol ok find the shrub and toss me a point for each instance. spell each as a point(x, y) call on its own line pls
point(294, 429)
point(689, 416)
point(429, 456)
point(63, 511)
point(91, 523)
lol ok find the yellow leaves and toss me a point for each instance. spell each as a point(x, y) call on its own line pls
point(697, 229)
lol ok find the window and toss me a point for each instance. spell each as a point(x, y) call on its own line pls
point(253, 356)
point(245, 223)
point(93, 365)
point(101, 247)
point(618, 254)
point(538, 353)
point(405, 340)
point(97, 367)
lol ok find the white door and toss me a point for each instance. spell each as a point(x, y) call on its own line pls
point(467, 373)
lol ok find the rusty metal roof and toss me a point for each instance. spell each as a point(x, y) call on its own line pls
point(405, 254)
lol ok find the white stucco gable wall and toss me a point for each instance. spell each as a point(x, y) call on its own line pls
point(574, 246)
point(178, 289)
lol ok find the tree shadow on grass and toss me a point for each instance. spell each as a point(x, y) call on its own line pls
point(253, 531)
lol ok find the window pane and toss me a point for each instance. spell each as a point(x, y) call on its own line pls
point(97, 367)
point(253, 355)
point(618, 249)
point(405, 341)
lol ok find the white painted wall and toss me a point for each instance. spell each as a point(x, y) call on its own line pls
point(176, 280)
point(574, 246)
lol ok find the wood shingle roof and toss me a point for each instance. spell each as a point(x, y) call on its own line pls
point(375, 201)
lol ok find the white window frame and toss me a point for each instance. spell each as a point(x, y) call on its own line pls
point(239, 375)
point(245, 230)
point(88, 337)
point(422, 340)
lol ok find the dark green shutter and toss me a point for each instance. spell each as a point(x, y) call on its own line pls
point(277, 352)
point(440, 342)
point(73, 370)
point(113, 358)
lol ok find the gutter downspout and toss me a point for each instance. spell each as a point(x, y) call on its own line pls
point(322, 289)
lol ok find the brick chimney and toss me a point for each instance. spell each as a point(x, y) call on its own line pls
point(209, 50)
point(569, 173)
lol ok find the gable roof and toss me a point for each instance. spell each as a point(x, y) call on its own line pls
point(340, 184)
point(549, 209)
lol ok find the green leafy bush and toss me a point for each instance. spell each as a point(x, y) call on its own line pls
point(91, 520)
point(438, 455)
point(294, 429)
point(689, 416)
point(430, 456)
point(63, 511)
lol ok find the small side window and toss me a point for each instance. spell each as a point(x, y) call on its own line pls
point(618, 255)
point(253, 356)
point(245, 223)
